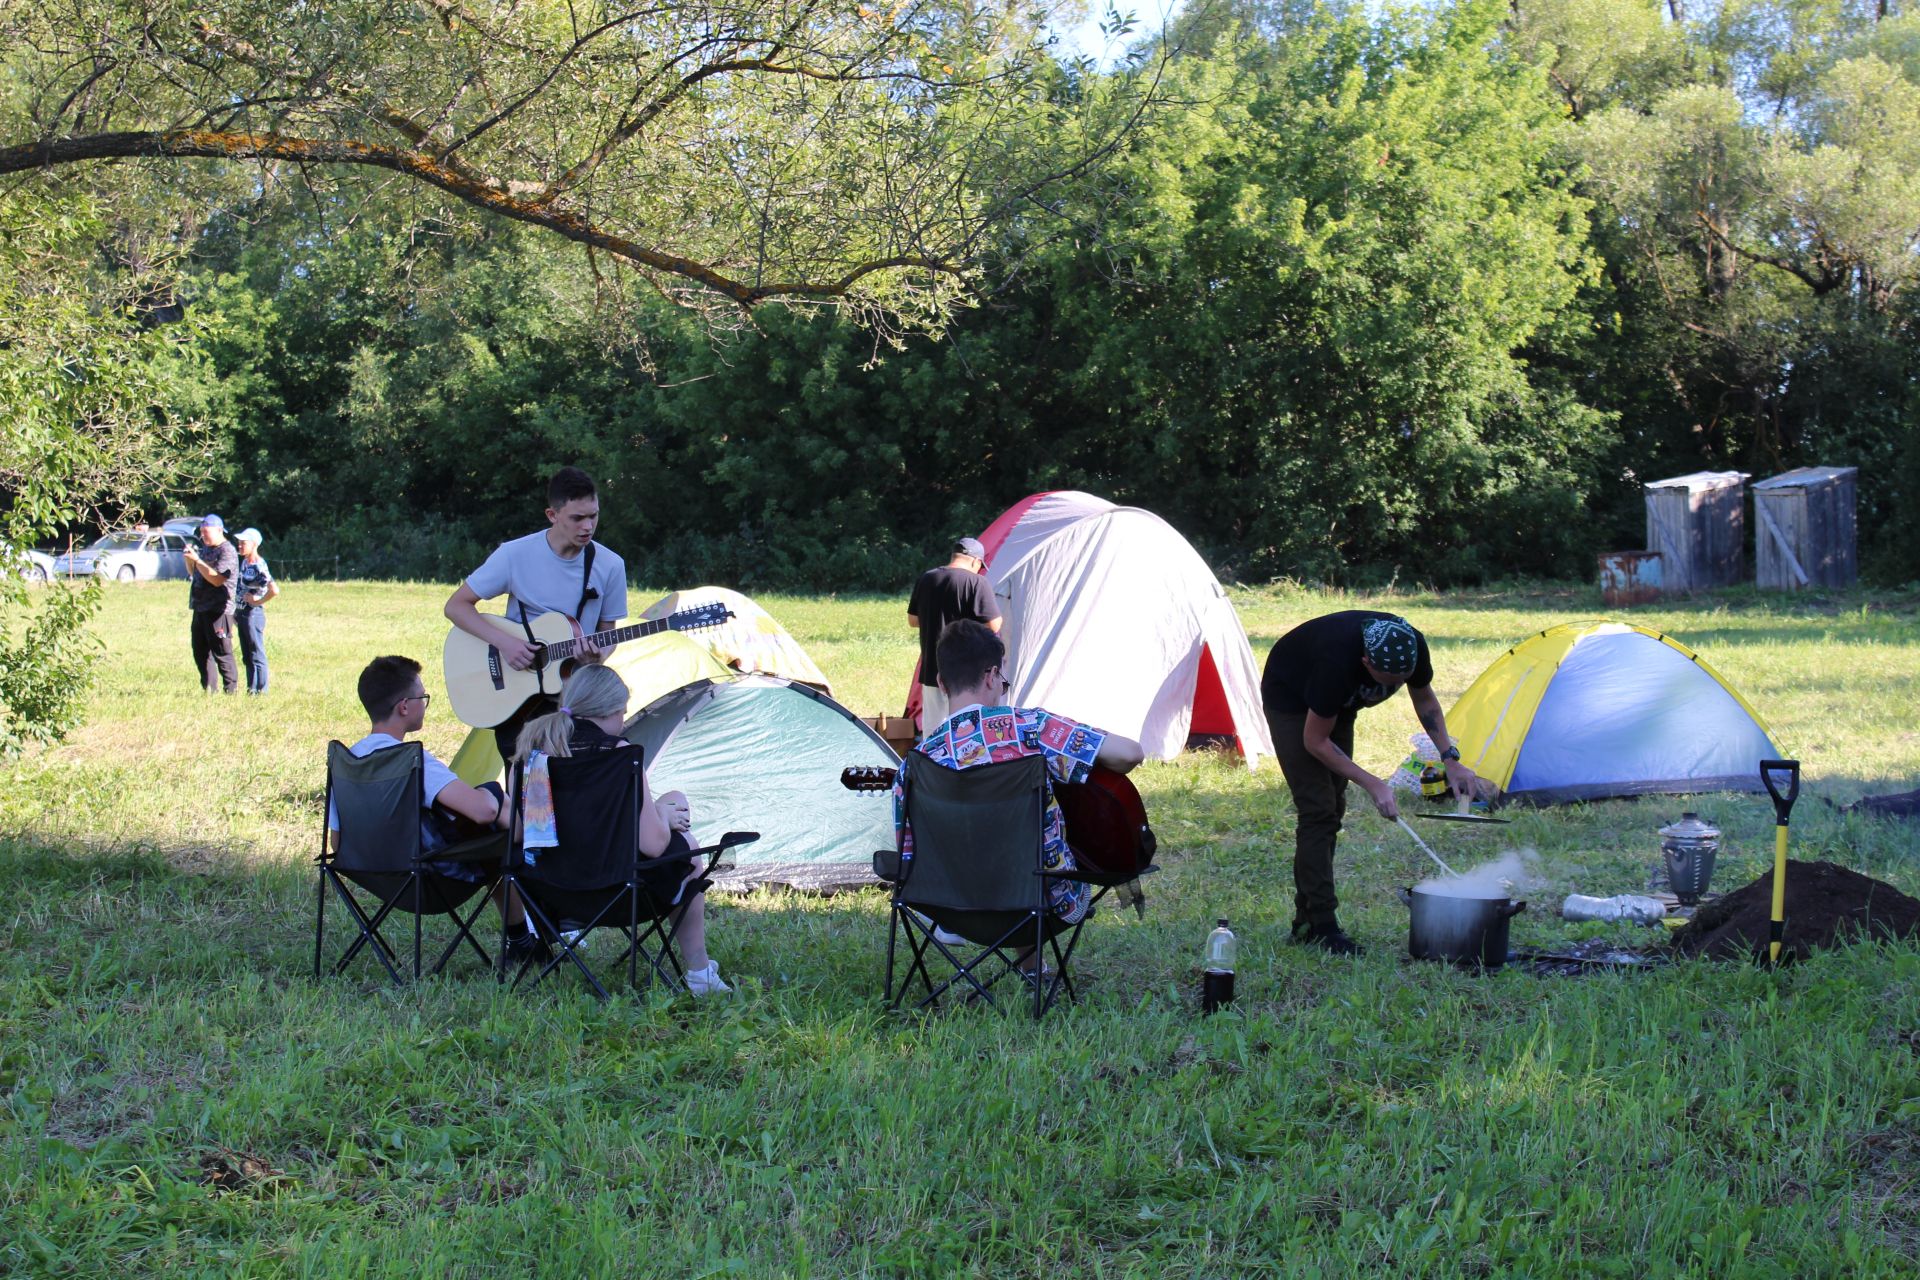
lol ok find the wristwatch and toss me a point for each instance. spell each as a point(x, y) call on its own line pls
point(1450, 754)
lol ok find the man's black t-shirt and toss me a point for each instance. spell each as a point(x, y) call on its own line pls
point(946, 595)
point(208, 597)
point(1317, 667)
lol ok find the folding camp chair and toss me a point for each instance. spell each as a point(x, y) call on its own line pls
point(977, 872)
point(596, 878)
point(377, 798)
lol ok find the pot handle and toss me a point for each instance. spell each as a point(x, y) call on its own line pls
point(1516, 908)
point(1406, 898)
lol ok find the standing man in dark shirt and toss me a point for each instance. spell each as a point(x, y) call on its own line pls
point(957, 590)
point(210, 595)
point(1318, 678)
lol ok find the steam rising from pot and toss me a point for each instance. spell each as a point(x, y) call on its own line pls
point(1513, 872)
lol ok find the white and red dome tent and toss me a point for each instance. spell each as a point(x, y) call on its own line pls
point(1111, 617)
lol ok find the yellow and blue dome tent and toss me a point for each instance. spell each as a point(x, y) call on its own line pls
point(752, 642)
point(1591, 710)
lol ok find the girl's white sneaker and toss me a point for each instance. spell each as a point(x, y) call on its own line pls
point(707, 981)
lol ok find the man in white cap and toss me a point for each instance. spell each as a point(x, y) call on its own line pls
point(256, 588)
point(958, 589)
point(215, 579)
point(1319, 676)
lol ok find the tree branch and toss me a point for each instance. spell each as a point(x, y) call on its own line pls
point(206, 144)
point(1822, 284)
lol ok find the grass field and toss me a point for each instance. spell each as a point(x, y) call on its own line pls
point(1372, 1117)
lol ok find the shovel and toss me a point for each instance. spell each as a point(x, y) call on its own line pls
point(1782, 779)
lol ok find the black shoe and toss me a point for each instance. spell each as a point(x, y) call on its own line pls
point(527, 947)
point(1331, 939)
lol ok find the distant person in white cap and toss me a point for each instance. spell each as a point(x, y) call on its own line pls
point(256, 588)
point(1319, 676)
point(958, 589)
point(216, 577)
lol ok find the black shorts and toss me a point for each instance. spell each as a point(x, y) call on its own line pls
point(663, 881)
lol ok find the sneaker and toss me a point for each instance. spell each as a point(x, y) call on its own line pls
point(1331, 939)
point(707, 981)
point(525, 947)
point(947, 937)
point(574, 938)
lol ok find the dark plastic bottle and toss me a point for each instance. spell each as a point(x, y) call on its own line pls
point(1216, 979)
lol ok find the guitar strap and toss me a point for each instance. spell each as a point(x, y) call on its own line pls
point(586, 583)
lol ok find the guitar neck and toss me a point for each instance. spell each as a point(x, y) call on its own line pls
point(606, 639)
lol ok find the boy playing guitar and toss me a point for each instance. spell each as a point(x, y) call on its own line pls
point(558, 570)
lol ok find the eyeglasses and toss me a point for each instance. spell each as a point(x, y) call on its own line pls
point(422, 698)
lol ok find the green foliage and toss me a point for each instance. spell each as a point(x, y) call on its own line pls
point(1755, 168)
point(98, 409)
point(1291, 320)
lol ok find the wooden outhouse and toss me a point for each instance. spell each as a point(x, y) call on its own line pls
point(1804, 531)
point(1698, 525)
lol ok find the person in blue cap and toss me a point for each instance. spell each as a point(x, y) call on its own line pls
point(214, 571)
point(1319, 676)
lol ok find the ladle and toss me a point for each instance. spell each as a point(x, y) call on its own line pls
point(1423, 847)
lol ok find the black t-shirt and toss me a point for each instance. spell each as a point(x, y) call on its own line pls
point(1317, 667)
point(207, 597)
point(588, 736)
point(946, 595)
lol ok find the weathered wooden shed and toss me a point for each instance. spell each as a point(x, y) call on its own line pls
point(1805, 534)
point(1698, 525)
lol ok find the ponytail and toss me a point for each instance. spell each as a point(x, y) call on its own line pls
point(591, 692)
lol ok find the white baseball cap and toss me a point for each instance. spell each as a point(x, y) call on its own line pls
point(248, 534)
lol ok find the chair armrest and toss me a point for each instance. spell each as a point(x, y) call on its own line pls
point(734, 839)
point(491, 847)
point(886, 865)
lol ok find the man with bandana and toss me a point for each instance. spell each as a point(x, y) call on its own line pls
point(1318, 678)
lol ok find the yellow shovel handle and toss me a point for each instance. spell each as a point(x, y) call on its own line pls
point(1778, 929)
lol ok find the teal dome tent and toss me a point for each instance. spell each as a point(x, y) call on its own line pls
point(765, 754)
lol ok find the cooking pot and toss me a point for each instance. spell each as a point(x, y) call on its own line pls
point(1463, 930)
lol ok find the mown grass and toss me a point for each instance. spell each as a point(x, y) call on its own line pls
point(1378, 1117)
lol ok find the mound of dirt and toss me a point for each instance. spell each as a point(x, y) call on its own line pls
point(1905, 804)
point(1826, 906)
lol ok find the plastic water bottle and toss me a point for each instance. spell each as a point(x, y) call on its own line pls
point(1631, 907)
point(1216, 981)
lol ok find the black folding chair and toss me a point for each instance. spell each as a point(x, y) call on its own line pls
point(377, 798)
point(977, 872)
point(597, 879)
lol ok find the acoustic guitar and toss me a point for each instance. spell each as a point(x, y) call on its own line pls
point(485, 691)
point(1105, 817)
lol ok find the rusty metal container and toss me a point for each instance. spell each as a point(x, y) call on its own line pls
point(1629, 577)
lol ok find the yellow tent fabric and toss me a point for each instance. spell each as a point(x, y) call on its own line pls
point(1620, 717)
point(753, 642)
point(652, 666)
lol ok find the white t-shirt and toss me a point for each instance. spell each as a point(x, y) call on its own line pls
point(539, 580)
point(434, 775)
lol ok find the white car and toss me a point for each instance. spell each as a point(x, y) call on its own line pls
point(132, 555)
point(35, 566)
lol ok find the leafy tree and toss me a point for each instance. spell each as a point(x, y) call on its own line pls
point(97, 407)
point(1755, 162)
point(719, 151)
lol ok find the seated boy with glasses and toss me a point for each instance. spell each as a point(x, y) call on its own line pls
point(451, 811)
